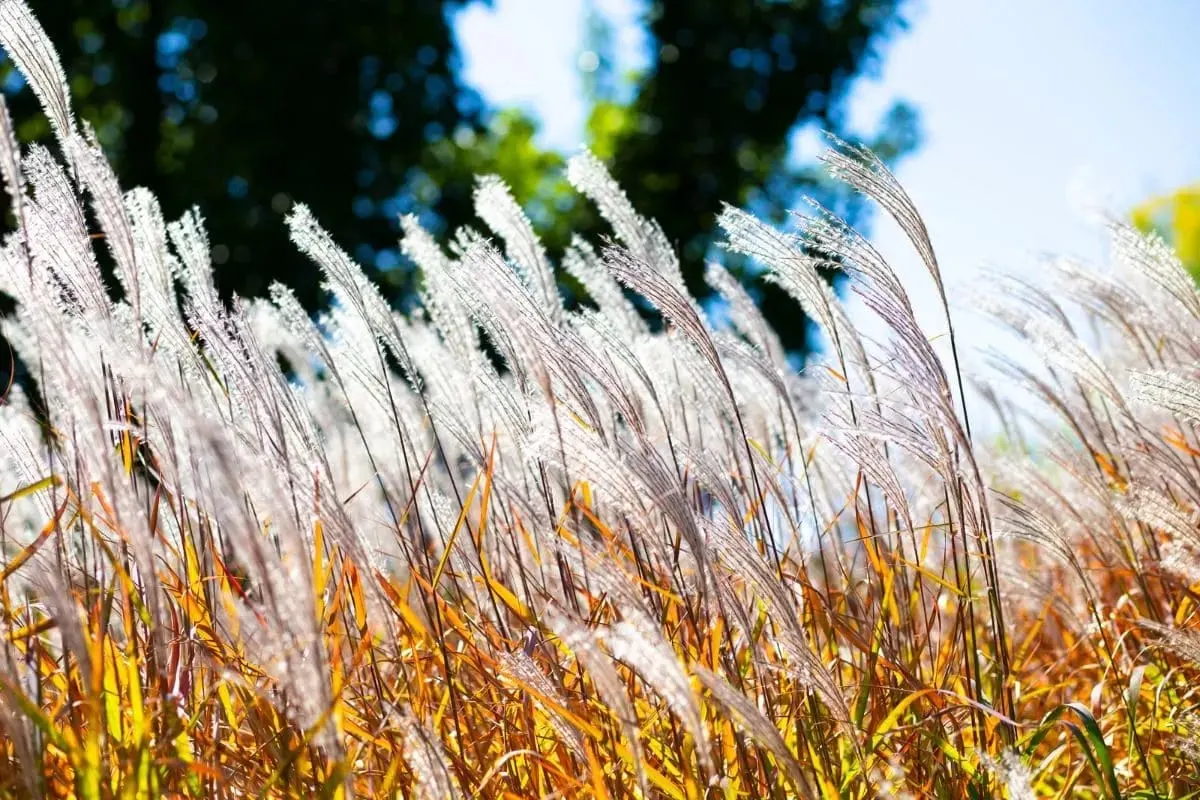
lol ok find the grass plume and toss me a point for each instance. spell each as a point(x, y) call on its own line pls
point(627, 562)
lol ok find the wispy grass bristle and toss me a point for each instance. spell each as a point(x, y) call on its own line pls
point(503, 546)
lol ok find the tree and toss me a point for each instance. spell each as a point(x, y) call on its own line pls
point(711, 119)
point(356, 108)
point(1176, 217)
point(242, 107)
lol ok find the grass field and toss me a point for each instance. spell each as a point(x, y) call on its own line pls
point(505, 548)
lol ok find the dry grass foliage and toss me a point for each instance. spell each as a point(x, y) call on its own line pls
point(626, 562)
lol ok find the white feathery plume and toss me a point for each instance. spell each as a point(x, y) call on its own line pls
point(10, 160)
point(862, 169)
point(350, 286)
point(1024, 523)
point(668, 297)
point(423, 753)
point(583, 263)
point(1184, 642)
point(1150, 256)
point(524, 670)
point(1060, 349)
point(744, 313)
point(496, 206)
point(796, 272)
point(108, 203)
point(502, 306)
point(1154, 508)
point(850, 251)
point(157, 268)
point(790, 266)
point(638, 642)
point(530, 338)
point(58, 237)
point(1168, 390)
point(439, 295)
point(754, 722)
point(583, 643)
point(190, 239)
point(644, 238)
point(26, 42)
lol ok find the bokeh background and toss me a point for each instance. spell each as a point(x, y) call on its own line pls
point(1009, 123)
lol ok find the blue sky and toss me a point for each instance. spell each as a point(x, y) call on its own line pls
point(1027, 107)
point(526, 53)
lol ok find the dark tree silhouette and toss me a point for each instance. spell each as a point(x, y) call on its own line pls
point(729, 83)
point(243, 108)
point(356, 108)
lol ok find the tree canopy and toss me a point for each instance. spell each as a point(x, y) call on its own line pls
point(1175, 216)
point(357, 108)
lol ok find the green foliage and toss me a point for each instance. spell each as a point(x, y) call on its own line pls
point(712, 116)
point(1175, 216)
point(245, 108)
point(217, 105)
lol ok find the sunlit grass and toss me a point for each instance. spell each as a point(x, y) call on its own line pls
point(630, 562)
